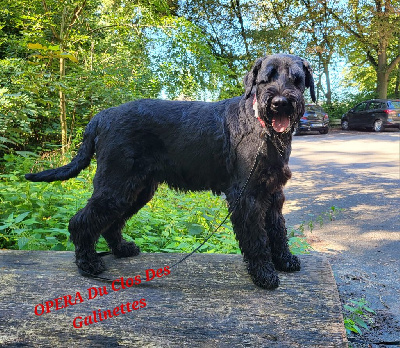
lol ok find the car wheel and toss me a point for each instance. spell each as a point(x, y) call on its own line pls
point(378, 126)
point(296, 131)
point(345, 125)
point(324, 131)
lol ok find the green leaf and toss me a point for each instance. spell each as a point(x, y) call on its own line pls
point(3, 227)
point(20, 217)
point(349, 308)
point(6, 140)
point(195, 229)
point(58, 247)
point(27, 154)
point(54, 48)
point(36, 46)
point(22, 242)
point(69, 56)
point(369, 310)
point(360, 322)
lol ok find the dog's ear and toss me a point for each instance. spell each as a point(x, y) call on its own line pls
point(251, 77)
point(309, 79)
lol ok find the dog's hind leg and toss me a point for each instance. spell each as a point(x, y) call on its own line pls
point(277, 233)
point(85, 227)
point(115, 198)
point(118, 245)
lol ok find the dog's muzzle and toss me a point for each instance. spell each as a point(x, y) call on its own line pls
point(281, 109)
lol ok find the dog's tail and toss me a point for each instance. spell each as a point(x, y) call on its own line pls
point(79, 162)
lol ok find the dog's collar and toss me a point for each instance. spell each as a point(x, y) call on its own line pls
point(255, 108)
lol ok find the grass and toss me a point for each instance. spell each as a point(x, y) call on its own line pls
point(35, 216)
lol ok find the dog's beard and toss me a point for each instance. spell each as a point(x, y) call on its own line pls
point(279, 126)
point(282, 121)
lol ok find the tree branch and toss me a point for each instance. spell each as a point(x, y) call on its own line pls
point(359, 36)
point(51, 27)
point(393, 64)
point(74, 18)
point(77, 12)
point(91, 31)
point(236, 8)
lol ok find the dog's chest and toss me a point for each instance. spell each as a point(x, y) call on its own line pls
point(273, 176)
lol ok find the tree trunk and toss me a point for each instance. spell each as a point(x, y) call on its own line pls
point(63, 109)
point(397, 86)
point(381, 71)
point(328, 93)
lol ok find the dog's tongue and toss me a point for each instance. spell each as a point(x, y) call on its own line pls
point(280, 123)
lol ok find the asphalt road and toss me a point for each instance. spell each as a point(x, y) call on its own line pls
point(358, 173)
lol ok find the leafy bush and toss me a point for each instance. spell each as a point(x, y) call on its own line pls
point(346, 102)
point(36, 215)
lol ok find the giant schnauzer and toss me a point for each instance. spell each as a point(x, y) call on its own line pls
point(196, 146)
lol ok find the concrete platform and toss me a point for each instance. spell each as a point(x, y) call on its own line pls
point(207, 301)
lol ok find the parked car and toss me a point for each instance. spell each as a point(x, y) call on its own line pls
point(375, 114)
point(314, 119)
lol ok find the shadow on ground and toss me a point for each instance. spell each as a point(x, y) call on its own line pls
point(358, 172)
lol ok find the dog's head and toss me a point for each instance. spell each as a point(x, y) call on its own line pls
point(276, 84)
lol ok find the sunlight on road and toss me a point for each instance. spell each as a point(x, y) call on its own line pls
point(355, 171)
point(366, 153)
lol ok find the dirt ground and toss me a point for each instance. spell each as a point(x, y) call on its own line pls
point(358, 174)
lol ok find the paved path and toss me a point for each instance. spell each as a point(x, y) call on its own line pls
point(358, 172)
point(207, 301)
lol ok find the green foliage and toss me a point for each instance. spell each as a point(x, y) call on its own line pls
point(357, 316)
point(347, 101)
point(25, 105)
point(179, 222)
point(118, 51)
point(297, 241)
point(185, 63)
point(114, 52)
point(320, 219)
point(17, 107)
point(35, 215)
point(371, 44)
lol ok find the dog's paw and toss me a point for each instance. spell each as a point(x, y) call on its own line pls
point(126, 249)
point(264, 275)
point(287, 263)
point(90, 264)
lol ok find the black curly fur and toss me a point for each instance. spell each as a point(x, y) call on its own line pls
point(194, 146)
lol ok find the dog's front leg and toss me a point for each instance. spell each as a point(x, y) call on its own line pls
point(248, 219)
point(277, 233)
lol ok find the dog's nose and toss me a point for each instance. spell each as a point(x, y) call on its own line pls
point(279, 102)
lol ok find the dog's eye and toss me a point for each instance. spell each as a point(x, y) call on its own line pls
point(272, 74)
point(298, 80)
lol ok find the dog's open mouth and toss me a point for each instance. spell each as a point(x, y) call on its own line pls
point(280, 123)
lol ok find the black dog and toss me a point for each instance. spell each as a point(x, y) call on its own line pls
point(196, 146)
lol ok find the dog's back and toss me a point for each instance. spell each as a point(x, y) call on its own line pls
point(183, 143)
